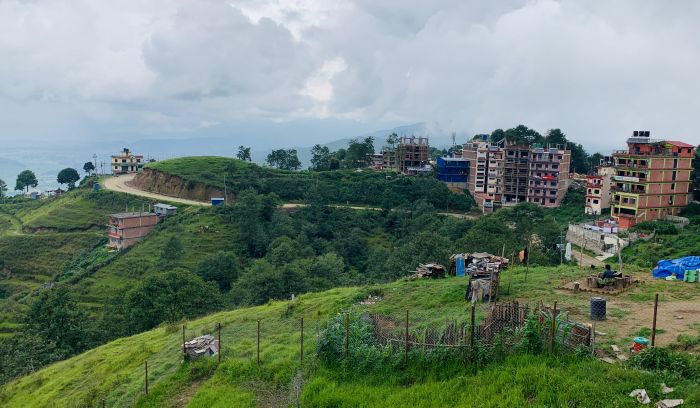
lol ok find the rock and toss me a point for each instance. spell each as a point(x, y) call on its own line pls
point(678, 317)
point(641, 396)
point(622, 357)
point(669, 403)
point(598, 333)
point(615, 348)
point(665, 389)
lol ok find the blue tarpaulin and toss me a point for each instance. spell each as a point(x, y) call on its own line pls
point(668, 267)
point(459, 262)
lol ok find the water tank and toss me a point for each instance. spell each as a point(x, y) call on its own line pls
point(598, 308)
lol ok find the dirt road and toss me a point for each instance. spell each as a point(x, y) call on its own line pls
point(120, 183)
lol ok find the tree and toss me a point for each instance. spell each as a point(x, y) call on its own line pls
point(57, 317)
point(88, 167)
point(26, 179)
point(172, 250)
point(3, 188)
point(169, 297)
point(220, 268)
point(320, 158)
point(243, 153)
point(284, 159)
point(68, 176)
point(359, 152)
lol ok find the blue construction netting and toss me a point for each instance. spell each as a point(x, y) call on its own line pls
point(668, 267)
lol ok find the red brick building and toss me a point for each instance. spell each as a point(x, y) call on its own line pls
point(125, 229)
point(652, 179)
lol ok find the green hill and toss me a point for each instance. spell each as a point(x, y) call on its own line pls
point(366, 187)
point(115, 372)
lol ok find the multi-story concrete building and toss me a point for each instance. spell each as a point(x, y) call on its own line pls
point(598, 189)
point(453, 171)
point(412, 154)
point(516, 173)
point(125, 229)
point(502, 174)
point(652, 179)
point(549, 175)
point(126, 162)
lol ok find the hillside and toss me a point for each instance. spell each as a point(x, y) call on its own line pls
point(115, 372)
point(201, 177)
point(38, 239)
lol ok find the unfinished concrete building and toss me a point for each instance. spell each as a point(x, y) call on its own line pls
point(549, 175)
point(502, 174)
point(412, 154)
point(516, 173)
point(126, 229)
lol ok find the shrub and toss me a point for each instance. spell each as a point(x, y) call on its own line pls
point(664, 360)
point(661, 227)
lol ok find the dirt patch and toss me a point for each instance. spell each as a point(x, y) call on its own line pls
point(185, 396)
point(174, 186)
point(640, 314)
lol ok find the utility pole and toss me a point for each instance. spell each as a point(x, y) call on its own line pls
point(94, 160)
point(224, 189)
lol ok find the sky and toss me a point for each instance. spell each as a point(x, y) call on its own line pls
point(299, 72)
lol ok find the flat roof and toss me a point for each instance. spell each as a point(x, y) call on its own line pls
point(132, 214)
point(166, 206)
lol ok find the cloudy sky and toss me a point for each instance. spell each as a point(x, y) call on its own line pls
point(88, 70)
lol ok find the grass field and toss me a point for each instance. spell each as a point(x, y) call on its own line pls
point(114, 372)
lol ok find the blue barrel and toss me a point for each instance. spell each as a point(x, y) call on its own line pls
point(598, 308)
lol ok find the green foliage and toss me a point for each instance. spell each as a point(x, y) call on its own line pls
point(665, 360)
point(661, 227)
point(221, 268)
point(24, 353)
point(358, 153)
point(371, 188)
point(68, 176)
point(26, 179)
point(56, 317)
point(169, 297)
point(320, 158)
point(284, 159)
point(3, 188)
point(88, 167)
point(243, 153)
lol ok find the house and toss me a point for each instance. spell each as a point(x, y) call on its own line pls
point(33, 194)
point(453, 171)
point(163, 210)
point(652, 179)
point(126, 162)
point(598, 189)
point(126, 229)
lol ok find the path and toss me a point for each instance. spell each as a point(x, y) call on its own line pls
point(121, 184)
point(585, 259)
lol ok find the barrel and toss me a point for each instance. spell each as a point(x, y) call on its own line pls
point(598, 308)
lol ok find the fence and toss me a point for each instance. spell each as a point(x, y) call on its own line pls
point(503, 326)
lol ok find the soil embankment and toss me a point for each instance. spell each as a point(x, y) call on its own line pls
point(173, 186)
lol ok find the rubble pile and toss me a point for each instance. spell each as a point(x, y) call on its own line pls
point(425, 271)
point(205, 345)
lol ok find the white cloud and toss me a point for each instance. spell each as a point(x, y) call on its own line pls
point(596, 69)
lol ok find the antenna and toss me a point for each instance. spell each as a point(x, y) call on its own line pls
point(454, 137)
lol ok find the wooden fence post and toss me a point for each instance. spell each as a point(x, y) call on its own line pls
point(471, 328)
point(653, 323)
point(258, 344)
point(554, 318)
point(405, 341)
point(146, 367)
point(218, 327)
point(347, 335)
point(301, 341)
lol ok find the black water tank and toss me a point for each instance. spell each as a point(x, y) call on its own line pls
point(598, 308)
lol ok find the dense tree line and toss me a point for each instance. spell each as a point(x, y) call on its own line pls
point(356, 156)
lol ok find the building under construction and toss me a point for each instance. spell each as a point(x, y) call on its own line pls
point(411, 156)
point(502, 173)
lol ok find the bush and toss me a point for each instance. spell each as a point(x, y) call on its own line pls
point(664, 360)
point(661, 227)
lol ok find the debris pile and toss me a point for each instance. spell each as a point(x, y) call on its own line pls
point(477, 264)
point(205, 345)
point(425, 271)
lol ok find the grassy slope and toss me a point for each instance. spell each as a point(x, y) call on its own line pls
point(200, 232)
point(73, 223)
point(115, 371)
point(648, 253)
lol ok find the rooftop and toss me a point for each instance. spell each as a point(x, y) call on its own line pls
point(132, 215)
point(679, 144)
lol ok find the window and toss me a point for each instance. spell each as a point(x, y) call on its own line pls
point(673, 186)
point(596, 191)
point(552, 200)
point(595, 201)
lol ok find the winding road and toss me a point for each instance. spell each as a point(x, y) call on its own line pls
point(121, 184)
